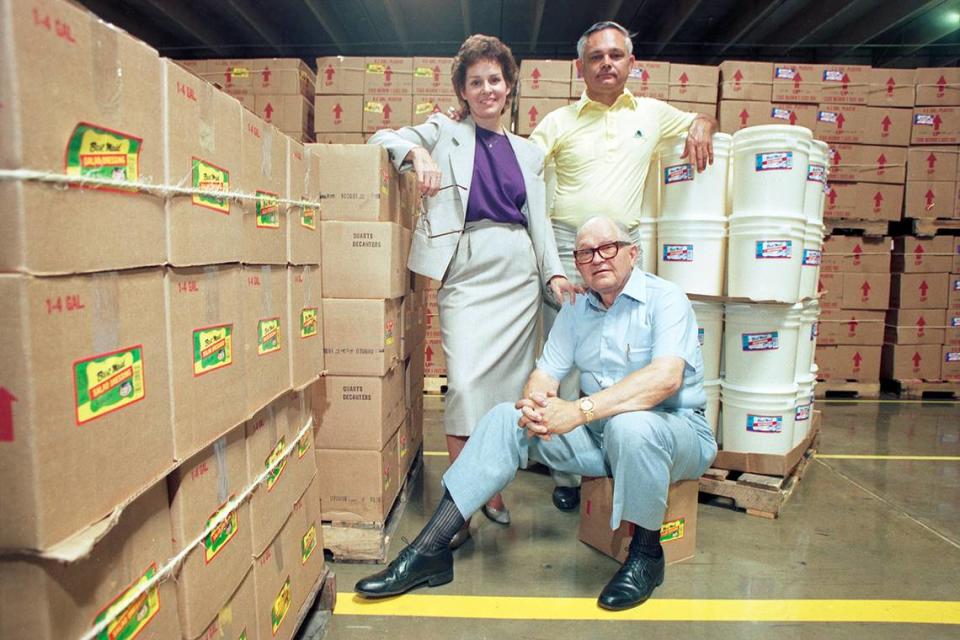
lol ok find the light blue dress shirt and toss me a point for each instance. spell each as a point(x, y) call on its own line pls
point(651, 318)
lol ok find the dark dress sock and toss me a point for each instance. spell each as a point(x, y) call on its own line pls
point(443, 525)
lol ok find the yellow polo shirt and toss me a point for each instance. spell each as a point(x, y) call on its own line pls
point(601, 154)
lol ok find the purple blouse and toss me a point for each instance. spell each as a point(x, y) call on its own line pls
point(497, 191)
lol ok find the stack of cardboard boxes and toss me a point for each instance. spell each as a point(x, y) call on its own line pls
point(338, 103)
point(694, 88)
point(545, 86)
point(747, 99)
point(155, 350)
point(950, 361)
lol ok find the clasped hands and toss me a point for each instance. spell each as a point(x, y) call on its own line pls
point(544, 415)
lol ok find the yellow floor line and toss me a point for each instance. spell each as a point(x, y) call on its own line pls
point(883, 401)
point(530, 608)
point(851, 456)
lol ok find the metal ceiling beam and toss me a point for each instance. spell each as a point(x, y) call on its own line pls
point(747, 16)
point(671, 27)
point(396, 19)
point(327, 21)
point(188, 22)
point(817, 20)
point(255, 22)
point(892, 14)
point(465, 14)
point(538, 8)
point(923, 31)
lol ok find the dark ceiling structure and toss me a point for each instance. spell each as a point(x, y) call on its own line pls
point(887, 33)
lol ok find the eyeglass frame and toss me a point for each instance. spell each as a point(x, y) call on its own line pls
point(617, 244)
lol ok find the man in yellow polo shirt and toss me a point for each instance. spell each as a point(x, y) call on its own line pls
point(598, 152)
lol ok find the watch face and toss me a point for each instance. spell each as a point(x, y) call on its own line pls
point(586, 404)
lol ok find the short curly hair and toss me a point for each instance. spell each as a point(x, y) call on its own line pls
point(480, 47)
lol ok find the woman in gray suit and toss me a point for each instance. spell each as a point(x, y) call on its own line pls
point(486, 236)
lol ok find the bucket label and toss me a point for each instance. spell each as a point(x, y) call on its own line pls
point(816, 173)
point(700, 335)
point(952, 356)
point(785, 73)
point(226, 528)
point(101, 153)
point(769, 341)
point(802, 413)
point(672, 530)
point(678, 253)
point(775, 161)
point(764, 424)
point(212, 348)
point(108, 382)
point(924, 119)
point(209, 177)
point(811, 257)
point(774, 249)
point(678, 173)
point(128, 617)
point(814, 330)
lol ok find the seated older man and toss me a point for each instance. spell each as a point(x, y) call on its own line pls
point(633, 337)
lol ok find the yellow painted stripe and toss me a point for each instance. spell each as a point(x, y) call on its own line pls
point(850, 456)
point(435, 453)
point(883, 401)
point(529, 608)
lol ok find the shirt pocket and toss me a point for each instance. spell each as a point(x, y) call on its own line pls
point(639, 357)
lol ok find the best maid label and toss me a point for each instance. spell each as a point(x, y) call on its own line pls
point(208, 177)
point(774, 249)
point(108, 382)
point(212, 348)
point(768, 341)
point(128, 615)
point(268, 210)
point(678, 173)
point(764, 424)
point(268, 336)
point(97, 152)
point(774, 161)
point(678, 253)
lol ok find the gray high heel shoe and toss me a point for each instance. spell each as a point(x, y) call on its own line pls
point(500, 516)
point(460, 537)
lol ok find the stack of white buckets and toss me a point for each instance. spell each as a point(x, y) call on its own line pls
point(759, 222)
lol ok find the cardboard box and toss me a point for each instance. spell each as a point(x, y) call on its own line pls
point(544, 78)
point(952, 327)
point(45, 599)
point(932, 163)
point(746, 80)
point(68, 108)
point(863, 201)
point(950, 363)
point(650, 79)
point(358, 486)
point(341, 138)
point(938, 86)
point(230, 74)
point(678, 534)
point(413, 322)
point(925, 199)
point(237, 618)
point(432, 76)
point(306, 318)
point(359, 183)
point(195, 67)
point(794, 82)
point(435, 362)
point(935, 125)
point(830, 290)
point(303, 137)
point(922, 255)
point(845, 83)
point(915, 326)
point(386, 112)
point(848, 362)
point(911, 362)
point(308, 534)
point(413, 371)
point(266, 345)
point(268, 433)
point(358, 412)
point(203, 152)
point(891, 88)
point(303, 222)
point(850, 326)
point(336, 114)
point(694, 83)
point(425, 106)
point(86, 364)
point(387, 77)
point(736, 114)
point(282, 76)
point(531, 111)
point(856, 253)
point(365, 259)
point(863, 125)
point(199, 491)
point(287, 113)
point(340, 75)
point(208, 359)
point(919, 290)
point(405, 451)
point(362, 337)
point(707, 109)
point(410, 205)
point(264, 174)
point(956, 256)
point(866, 290)
point(953, 295)
point(866, 163)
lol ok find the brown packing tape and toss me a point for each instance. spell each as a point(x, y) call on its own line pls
point(105, 312)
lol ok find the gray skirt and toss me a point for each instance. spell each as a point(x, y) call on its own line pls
point(489, 306)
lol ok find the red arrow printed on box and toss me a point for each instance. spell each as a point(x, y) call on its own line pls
point(737, 77)
point(857, 250)
point(917, 359)
point(891, 83)
point(857, 359)
point(885, 123)
point(921, 323)
point(533, 113)
point(329, 72)
point(931, 161)
point(924, 287)
point(941, 86)
point(865, 289)
point(931, 199)
point(6, 415)
point(744, 116)
point(877, 201)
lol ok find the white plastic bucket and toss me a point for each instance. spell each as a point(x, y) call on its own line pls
point(712, 389)
point(650, 205)
point(684, 193)
point(764, 257)
point(710, 334)
point(758, 419)
point(648, 245)
point(817, 170)
point(770, 165)
point(690, 253)
point(803, 413)
point(807, 339)
point(811, 258)
point(760, 344)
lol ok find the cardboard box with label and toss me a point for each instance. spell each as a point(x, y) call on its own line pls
point(237, 618)
point(952, 327)
point(856, 253)
point(950, 363)
point(410, 203)
point(938, 86)
point(303, 222)
point(306, 320)
point(208, 359)
point(694, 83)
point(413, 322)
point(432, 76)
point(865, 290)
point(922, 255)
point(387, 76)
point(359, 183)
point(202, 152)
point(953, 293)
point(863, 201)
point(386, 112)
point(650, 79)
point(911, 362)
point(956, 256)
point(935, 125)
point(830, 290)
point(263, 175)
point(365, 259)
point(707, 109)
point(358, 412)
point(746, 80)
point(531, 111)
point(282, 77)
point(935, 163)
point(863, 125)
point(919, 290)
point(845, 84)
point(287, 113)
point(340, 75)
point(545, 78)
point(850, 326)
point(362, 337)
point(231, 74)
point(737, 114)
point(358, 485)
point(85, 367)
point(425, 106)
point(858, 363)
point(891, 88)
point(928, 199)
point(867, 163)
point(199, 492)
point(308, 534)
point(915, 326)
point(337, 114)
point(678, 535)
point(794, 82)
point(45, 599)
point(80, 98)
point(264, 334)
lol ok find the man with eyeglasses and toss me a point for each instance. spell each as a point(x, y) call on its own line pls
point(633, 337)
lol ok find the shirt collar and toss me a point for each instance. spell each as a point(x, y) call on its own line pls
point(635, 288)
point(625, 100)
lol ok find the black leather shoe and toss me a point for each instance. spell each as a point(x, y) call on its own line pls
point(408, 570)
point(566, 498)
point(633, 583)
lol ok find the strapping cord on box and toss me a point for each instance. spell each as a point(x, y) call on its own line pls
point(166, 571)
point(161, 190)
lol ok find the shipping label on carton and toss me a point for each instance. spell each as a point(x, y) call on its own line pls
point(935, 125)
point(388, 77)
point(845, 84)
point(796, 82)
point(950, 363)
point(425, 106)
point(386, 112)
point(431, 76)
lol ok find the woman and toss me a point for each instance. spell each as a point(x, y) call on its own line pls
point(486, 236)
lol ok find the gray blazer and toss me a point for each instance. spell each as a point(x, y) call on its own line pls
point(452, 146)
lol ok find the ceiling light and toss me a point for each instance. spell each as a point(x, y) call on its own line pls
point(952, 17)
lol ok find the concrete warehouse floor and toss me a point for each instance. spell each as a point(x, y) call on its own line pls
point(872, 541)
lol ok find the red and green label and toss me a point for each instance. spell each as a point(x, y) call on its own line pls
point(268, 336)
point(98, 152)
point(108, 382)
point(275, 455)
point(212, 348)
point(308, 217)
point(281, 605)
point(128, 614)
point(208, 177)
point(268, 210)
point(227, 526)
point(308, 322)
point(308, 543)
point(672, 530)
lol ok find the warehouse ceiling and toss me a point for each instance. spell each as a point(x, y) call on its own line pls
point(892, 33)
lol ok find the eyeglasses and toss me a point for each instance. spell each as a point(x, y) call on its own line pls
point(606, 251)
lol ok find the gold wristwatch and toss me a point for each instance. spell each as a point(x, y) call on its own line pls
point(586, 408)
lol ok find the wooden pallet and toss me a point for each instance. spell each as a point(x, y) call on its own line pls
point(368, 541)
point(843, 227)
point(314, 615)
point(931, 227)
point(923, 389)
point(832, 389)
point(758, 495)
point(435, 386)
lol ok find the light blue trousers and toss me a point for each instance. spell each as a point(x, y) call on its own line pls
point(644, 452)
